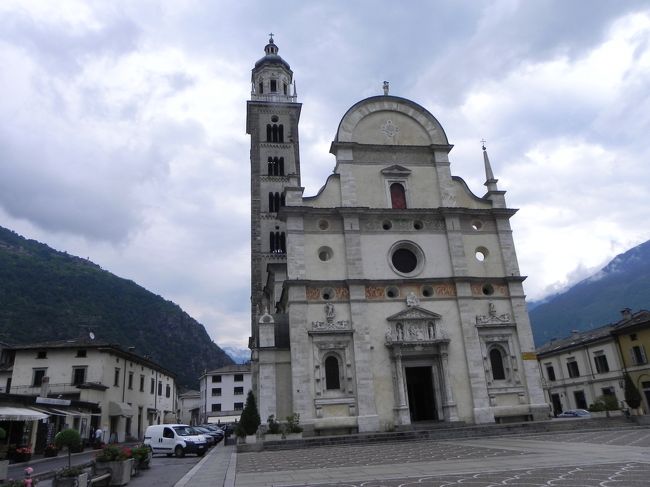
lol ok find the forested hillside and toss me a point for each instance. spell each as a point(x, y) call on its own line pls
point(50, 295)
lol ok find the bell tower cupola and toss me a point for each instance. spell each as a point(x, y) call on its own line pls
point(272, 78)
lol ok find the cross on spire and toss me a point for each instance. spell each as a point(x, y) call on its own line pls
point(271, 37)
point(483, 141)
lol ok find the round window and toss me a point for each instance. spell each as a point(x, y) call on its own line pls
point(325, 253)
point(274, 118)
point(392, 292)
point(427, 291)
point(406, 259)
point(323, 224)
point(386, 225)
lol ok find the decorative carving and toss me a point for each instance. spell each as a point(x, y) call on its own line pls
point(412, 300)
point(313, 294)
point(330, 313)
point(373, 292)
point(444, 290)
point(492, 318)
point(342, 293)
point(327, 326)
point(390, 130)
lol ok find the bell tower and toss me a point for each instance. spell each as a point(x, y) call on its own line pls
point(272, 117)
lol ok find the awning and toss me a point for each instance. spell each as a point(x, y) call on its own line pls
point(119, 409)
point(223, 419)
point(8, 413)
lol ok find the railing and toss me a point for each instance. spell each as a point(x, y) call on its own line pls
point(277, 98)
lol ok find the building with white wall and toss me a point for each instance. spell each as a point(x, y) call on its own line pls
point(223, 393)
point(393, 295)
point(130, 391)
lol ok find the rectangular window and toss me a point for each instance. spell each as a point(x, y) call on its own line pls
point(216, 378)
point(239, 377)
point(638, 355)
point(160, 388)
point(581, 401)
point(81, 353)
point(239, 406)
point(238, 391)
point(216, 391)
point(608, 391)
point(153, 386)
point(274, 86)
point(116, 378)
point(216, 408)
point(130, 380)
point(572, 368)
point(141, 383)
point(601, 363)
point(41, 354)
point(550, 372)
point(633, 337)
point(78, 375)
point(168, 391)
point(37, 378)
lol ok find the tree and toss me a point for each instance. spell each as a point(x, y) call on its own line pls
point(632, 395)
point(70, 439)
point(250, 416)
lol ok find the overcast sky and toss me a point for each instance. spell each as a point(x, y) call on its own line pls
point(122, 125)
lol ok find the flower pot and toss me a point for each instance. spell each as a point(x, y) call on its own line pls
point(293, 436)
point(4, 465)
point(120, 471)
point(251, 439)
point(81, 479)
point(272, 437)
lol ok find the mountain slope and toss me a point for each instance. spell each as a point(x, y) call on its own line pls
point(598, 300)
point(50, 295)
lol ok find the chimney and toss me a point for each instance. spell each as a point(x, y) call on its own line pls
point(627, 313)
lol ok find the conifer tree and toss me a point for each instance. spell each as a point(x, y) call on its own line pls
point(250, 416)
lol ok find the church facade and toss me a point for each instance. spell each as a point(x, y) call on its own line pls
point(391, 297)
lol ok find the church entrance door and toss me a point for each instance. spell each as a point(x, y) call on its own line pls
point(419, 386)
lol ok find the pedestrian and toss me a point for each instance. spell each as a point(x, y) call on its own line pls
point(99, 436)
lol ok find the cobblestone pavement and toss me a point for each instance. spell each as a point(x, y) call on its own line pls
point(366, 454)
point(606, 458)
point(619, 474)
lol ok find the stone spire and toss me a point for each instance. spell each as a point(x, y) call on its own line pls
point(490, 182)
point(272, 78)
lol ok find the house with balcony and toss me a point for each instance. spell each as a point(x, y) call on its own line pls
point(223, 393)
point(129, 392)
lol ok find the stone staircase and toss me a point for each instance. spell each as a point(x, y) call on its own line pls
point(446, 431)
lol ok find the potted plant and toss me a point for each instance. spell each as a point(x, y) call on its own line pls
point(250, 419)
point(69, 476)
point(119, 461)
point(22, 454)
point(273, 431)
point(141, 456)
point(50, 450)
point(293, 430)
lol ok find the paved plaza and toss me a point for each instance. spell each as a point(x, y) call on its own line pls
point(618, 457)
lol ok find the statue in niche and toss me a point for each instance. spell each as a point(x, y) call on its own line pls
point(400, 331)
point(412, 299)
point(492, 309)
point(329, 312)
point(432, 331)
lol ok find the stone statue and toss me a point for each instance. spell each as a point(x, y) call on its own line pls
point(329, 312)
point(412, 300)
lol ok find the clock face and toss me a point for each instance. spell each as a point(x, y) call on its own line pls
point(91, 335)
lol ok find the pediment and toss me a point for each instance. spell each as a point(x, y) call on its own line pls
point(396, 170)
point(414, 313)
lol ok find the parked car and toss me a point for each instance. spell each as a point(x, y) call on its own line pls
point(575, 413)
point(210, 435)
point(175, 439)
point(227, 429)
point(215, 429)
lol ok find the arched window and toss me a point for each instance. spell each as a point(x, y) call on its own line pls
point(397, 196)
point(332, 379)
point(261, 90)
point(272, 242)
point(283, 243)
point(274, 86)
point(269, 133)
point(281, 164)
point(271, 202)
point(282, 199)
point(276, 199)
point(280, 133)
point(274, 131)
point(270, 166)
point(496, 363)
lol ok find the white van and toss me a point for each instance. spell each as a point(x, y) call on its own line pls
point(175, 439)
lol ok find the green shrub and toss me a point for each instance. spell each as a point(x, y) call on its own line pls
point(293, 423)
point(70, 439)
point(274, 426)
point(607, 402)
point(250, 416)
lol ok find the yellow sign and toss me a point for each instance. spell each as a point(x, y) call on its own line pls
point(529, 356)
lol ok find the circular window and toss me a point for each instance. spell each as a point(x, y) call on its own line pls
point(417, 224)
point(481, 254)
point(392, 292)
point(477, 225)
point(325, 253)
point(323, 224)
point(427, 291)
point(327, 294)
point(488, 289)
point(274, 118)
point(386, 225)
point(406, 259)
